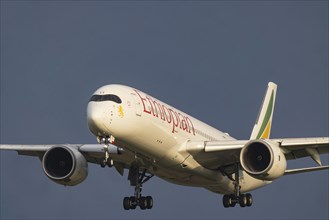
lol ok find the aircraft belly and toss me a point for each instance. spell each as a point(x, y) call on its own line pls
point(152, 141)
point(182, 178)
point(247, 184)
point(190, 176)
point(209, 179)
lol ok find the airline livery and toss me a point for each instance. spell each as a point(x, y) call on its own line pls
point(138, 132)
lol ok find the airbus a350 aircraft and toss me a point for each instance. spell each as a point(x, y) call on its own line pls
point(136, 131)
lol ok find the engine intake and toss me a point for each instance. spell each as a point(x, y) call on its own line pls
point(263, 159)
point(65, 165)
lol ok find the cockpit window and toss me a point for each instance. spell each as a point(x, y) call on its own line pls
point(107, 97)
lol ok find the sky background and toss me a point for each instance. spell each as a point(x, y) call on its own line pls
point(210, 59)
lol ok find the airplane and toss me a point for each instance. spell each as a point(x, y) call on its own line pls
point(147, 137)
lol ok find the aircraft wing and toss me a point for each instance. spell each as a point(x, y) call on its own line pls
point(294, 148)
point(94, 153)
point(36, 150)
point(29, 150)
point(223, 155)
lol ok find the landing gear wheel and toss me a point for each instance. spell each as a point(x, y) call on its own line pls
point(103, 163)
point(106, 141)
point(229, 201)
point(226, 201)
point(109, 162)
point(137, 178)
point(232, 200)
point(143, 203)
point(243, 200)
point(149, 201)
point(249, 199)
point(133, 203)
point(126, 203)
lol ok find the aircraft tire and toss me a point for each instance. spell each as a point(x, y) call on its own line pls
point(103, 163)
point(226, 201)
point(149, 202)
point(232, 200)
point(132, 202)
point(143, 203)
point(249, 199)
point(109, 162)
point(126, 203)
point(242, 200)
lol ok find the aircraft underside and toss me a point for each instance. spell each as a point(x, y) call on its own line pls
point(213, 180)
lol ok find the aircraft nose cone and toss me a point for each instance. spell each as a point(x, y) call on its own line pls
point(96, 120)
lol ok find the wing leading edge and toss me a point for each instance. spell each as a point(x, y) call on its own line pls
point(39, 150)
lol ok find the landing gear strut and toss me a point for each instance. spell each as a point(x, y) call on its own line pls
point(107, 159)
point(232, 199)
point(137, 178)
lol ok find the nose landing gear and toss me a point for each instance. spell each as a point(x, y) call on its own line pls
point(107, 159)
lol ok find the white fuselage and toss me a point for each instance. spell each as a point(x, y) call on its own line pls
point(156, 134)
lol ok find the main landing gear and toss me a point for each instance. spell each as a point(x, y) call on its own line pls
point(137, 178)
point(232, 199)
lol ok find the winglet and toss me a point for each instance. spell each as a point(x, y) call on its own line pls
point(262, 127)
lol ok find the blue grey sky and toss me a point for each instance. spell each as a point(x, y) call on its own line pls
point(211, 59)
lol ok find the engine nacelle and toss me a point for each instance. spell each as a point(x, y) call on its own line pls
point(263, 159)
point(65, 165)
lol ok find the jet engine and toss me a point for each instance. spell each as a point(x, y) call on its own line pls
point(263, 159)
point(65, 165)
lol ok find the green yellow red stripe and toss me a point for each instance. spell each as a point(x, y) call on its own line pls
point(265, 129)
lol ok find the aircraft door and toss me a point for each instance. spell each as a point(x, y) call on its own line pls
point(137, 105)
